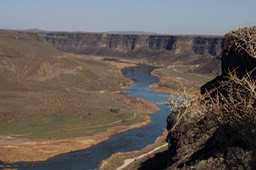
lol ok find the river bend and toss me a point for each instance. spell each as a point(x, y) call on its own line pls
point(130, 140)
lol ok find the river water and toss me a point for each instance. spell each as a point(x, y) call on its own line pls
point(130, 140)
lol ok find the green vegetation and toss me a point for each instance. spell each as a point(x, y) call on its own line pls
point(62, 114)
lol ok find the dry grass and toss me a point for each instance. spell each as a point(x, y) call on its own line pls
point(234, 102)
point(47, 94)
point(243, 40)
point(232, 105)
point(178, 76)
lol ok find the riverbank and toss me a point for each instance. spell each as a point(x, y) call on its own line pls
point(177, 79)
point(133, 160)
point(174, 83)
point(16, 149)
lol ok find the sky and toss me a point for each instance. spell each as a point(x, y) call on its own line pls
point(211, 17)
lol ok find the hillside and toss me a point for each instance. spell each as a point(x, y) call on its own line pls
point(25, 57)
point(43, 90)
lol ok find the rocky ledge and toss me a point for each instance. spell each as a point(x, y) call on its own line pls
point(217, 130)
point(158, 49)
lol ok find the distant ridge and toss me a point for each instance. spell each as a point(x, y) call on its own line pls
point(33, 30)
point(132, 32)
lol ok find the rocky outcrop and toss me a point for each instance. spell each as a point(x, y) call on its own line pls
point(218, 132)
point(239, 52)
point(236, 57)
point(155, 48)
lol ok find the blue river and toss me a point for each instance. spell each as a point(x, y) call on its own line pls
point(130, 140)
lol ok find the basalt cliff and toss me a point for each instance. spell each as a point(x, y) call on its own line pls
point(158, 49)
point(217, 129)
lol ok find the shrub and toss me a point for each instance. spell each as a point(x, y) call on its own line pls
point(234, 104)
point(243, 40)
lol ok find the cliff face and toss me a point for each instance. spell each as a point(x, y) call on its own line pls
point(188, 49)
point(217, 131)
point(90, 43)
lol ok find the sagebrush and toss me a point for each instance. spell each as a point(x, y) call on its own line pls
point(233, 104)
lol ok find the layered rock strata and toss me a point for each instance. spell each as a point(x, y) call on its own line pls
point(154, 48)
point(94, 43)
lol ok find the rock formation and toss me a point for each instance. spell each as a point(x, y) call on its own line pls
point(154, 48)
point(239, 56)
point(96, 43)
point(218, 131)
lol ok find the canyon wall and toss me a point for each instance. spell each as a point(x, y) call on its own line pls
point(156, 48)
